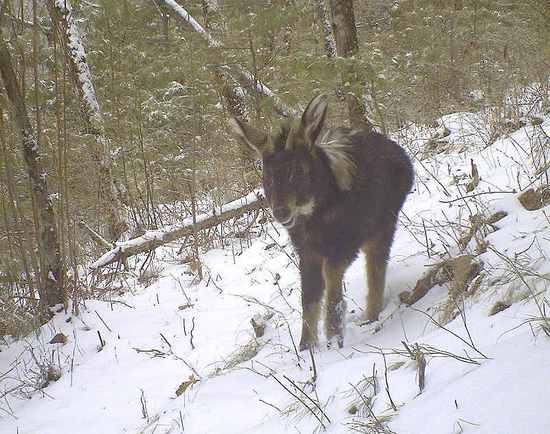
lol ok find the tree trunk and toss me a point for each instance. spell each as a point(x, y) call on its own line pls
point(52, 292)
point(69, 36)
point(347, 45)
point(323, 23)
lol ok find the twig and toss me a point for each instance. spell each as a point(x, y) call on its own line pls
point(315, 403)
point(368, 407)
point(101, 341)
point(518, 273)
point(299, 400)
point(314, 379)
point(271, 405)
point(166, 340)
point(421, 370)
point(450, 331)
point(191, 333)
point(426, 237)
point(298, 357)
point(96, 237)
point(478, 194)
point(154, 351)
point(104, 323)
point(387, 383)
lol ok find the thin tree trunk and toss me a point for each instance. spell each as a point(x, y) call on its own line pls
point(347, 45)
point(52, 292)
point(69, 36)
point(24, 240)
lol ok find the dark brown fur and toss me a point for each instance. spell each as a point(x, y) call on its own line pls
point(358, 181)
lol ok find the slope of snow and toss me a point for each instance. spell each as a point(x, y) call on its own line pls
point(156, 338)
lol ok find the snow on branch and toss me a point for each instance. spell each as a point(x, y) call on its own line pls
point(243, 75)
point(159, 237)
point(182, 13)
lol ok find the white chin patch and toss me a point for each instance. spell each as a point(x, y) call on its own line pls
point(306, 209)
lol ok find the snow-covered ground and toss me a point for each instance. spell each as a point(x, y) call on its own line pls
point(484, 373)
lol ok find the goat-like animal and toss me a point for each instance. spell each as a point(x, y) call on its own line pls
point(336, 191)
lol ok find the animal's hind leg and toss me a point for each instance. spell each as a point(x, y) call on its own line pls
point(333, 272)
point(312, 292)
point(377, 252)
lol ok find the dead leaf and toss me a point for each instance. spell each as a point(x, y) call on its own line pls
point(59, 338)
point(185, 385)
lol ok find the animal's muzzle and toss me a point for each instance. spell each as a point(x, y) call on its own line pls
point(282, 214)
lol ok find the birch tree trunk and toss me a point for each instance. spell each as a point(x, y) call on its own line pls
point(52, 291)
point(69, 36)
point(347, 45)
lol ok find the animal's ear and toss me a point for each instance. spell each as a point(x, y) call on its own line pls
point(313, 118)
point(254, 138)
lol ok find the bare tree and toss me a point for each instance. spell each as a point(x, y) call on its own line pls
point(51, 291)
point(69, 36)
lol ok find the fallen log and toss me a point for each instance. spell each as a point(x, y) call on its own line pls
point(159, 237)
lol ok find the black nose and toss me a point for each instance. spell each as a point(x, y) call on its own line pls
point(282, 214)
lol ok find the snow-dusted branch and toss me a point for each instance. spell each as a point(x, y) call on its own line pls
point(156, 238)
point(182, 13)
point(242, 75)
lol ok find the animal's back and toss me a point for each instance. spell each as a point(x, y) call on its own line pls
point(384, 172)
point(383, 178)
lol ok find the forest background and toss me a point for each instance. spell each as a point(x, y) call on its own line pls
point(113, 113)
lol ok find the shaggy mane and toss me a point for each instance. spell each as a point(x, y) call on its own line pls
point(336, 146)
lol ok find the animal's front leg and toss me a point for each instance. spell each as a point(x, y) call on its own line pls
point(312, 292)
point(333, 273)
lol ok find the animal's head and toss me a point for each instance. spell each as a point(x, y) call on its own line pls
point(298, 169)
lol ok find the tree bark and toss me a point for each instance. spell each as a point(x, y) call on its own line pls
point(324, 26)
point(347, 45)
point(69, 37)
point(153, 239)
point(52, 292)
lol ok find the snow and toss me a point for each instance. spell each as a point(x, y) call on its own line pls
point(148, 351)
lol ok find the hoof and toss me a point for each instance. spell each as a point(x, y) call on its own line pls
point(306, 345)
